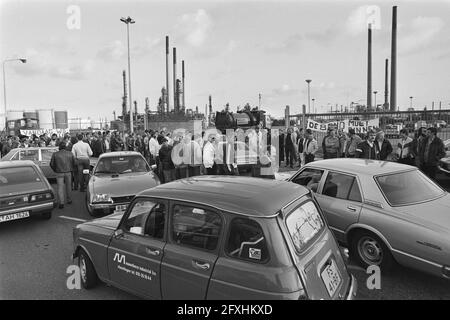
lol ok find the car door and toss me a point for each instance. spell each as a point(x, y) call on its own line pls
point(44, 162)
point(191, 251)
point(341, 201)
point(136, 249)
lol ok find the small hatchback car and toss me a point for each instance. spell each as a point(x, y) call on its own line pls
point(216, 237)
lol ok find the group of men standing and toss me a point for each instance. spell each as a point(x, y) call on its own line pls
point(297, 147)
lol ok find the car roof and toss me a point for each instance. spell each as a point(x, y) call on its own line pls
point(16, 163)
point(361, 166)
point(246, 196)
point(120, 154)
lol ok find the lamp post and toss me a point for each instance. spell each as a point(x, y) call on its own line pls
point(314, 110)
point(375, 99)
point(129, 21)
point(4, 80)
point(410, 101)
point(309, 104)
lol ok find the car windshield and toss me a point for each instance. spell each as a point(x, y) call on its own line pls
point(405, 188)
point(303, 224)
point(120, 165)
point(13, 180)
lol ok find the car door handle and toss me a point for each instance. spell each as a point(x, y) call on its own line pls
point(353, 209)
point(200, 265)
point(153, 252)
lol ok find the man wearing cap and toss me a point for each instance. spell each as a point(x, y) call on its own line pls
point(352, 144)
point(82, 151)
point(63, 162)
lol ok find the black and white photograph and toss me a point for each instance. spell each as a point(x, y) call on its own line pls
point(245, 150)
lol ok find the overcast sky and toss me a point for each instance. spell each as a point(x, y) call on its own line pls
point(232, 50)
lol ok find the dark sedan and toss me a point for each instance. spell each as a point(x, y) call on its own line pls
point(24, 191)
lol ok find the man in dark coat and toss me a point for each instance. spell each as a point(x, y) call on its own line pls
point(367, 148)
point(432, 150)
point(383, 145)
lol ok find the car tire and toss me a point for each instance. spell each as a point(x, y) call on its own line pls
point(368, 249)
point(46, 215)
point(88, 275)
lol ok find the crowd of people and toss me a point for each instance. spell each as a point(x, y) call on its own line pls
point(424, 150)
point(186, 155)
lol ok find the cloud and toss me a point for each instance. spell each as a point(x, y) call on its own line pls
point(423, 31)
point(194, 28)
point(295, 41)
point(117, 50)
point(42, 64)
point(285, 90)
point(361, 17)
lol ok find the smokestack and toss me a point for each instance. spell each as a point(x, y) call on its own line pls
point(175, 80)
point(393, 103)
point(369, 69)
point(125, 97)
point(166, 97)
point(386, 85)
point(182, 79)
point(210, 105)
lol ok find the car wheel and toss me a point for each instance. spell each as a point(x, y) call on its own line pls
point(47, 215)
point(368, 249)
point(88, 275)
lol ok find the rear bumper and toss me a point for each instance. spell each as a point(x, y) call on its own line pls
point(33, 209)
point(352, 289)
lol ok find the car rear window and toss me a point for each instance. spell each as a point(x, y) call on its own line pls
point(18, 179)
point(303, 224)
point(405, 188)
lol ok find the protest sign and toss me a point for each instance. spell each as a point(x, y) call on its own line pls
point(39, 132)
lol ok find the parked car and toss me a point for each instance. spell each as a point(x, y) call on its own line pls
point(444, 163)
point(24, 191)
point(40, 156)
point(385, 212)
point(216, 237)
point(116, 179)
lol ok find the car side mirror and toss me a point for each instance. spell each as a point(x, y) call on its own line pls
point(118, 233)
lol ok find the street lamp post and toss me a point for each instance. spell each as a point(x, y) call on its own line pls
point(309, 104)
point(375, 99)
point(410, 101)
point(314, 110)
point(129, 21)
point(4, 80)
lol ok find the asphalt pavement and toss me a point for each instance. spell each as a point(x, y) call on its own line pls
point(35, 255)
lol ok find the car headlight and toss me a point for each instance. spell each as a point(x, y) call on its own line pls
point(101, 197)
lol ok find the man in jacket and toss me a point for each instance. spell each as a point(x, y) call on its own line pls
point(367, 148)
point(404, 152)
point(281, 138)
point(289, 148)
point(209, 153)
point(165, 158)
point(82, 151)
point(310, 147)
point(63, 162)
point(383, 146)
point(432, 150)
point(97, 146)
point(331, 145)
point(352, 143)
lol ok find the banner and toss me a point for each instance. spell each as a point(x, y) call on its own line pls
point(39, 132)
point(360, 126)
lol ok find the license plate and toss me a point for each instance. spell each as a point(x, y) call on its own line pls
point(331, 278)
point(14, 216)
point(121, 207)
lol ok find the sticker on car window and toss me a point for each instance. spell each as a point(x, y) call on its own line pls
point(254, 253)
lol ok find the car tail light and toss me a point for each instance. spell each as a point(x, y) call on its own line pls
point(41, 197)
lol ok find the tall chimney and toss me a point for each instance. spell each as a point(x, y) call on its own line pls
point(386, 85)
point(210, 105)
point(175, 80)
point(393, 103)
point(125, 96)
point(369, 69)
point(167, 77)
point(182, 79)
